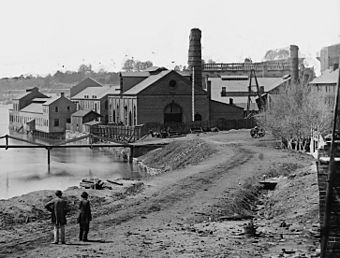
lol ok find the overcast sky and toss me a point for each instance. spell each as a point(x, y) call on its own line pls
point(43, 36)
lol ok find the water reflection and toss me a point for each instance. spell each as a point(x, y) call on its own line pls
point(25, 170)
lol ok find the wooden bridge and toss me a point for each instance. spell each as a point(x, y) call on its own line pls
point(94, 142)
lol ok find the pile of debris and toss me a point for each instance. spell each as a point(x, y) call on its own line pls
point(98, 184)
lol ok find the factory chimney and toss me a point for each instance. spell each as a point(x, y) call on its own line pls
point(195, 56)
point(294, 63)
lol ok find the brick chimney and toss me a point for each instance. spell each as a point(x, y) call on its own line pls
point(294, 63)
point(195, 56)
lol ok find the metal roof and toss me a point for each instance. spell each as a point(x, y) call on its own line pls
point(84, 112)
point(268, 83)
point(33, 108)
point(50, 100)
point(135, 74)
point(146, 83)
point(99, 92)
point(327, 77)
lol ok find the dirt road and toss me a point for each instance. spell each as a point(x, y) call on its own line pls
point(176, 215)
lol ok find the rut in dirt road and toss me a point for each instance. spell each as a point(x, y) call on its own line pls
point(114, 214)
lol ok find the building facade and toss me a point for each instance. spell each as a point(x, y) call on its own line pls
point(40, 115)
point(164, 97)
point(325, 86)
point(81, 117)
point(90, 95)
point(329, 57)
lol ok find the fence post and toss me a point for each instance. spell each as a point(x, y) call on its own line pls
point(131, 154)
point(6, 141)
point(48, 160)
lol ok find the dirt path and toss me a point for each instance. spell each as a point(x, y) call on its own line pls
point(172, 216)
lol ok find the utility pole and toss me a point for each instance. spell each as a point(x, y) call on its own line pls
point(193, 95)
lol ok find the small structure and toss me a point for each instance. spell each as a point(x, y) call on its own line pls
point(81, 117)
point(91, 95)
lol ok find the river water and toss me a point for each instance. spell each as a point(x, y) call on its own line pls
point(25, 170)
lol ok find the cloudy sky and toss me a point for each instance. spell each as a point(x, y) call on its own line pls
point(43, 36)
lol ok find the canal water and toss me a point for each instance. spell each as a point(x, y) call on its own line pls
point(25, 170)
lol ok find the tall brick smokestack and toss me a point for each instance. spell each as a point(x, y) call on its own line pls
point(294, 63)
point(195, 56)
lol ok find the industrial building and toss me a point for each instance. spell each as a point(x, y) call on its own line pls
point(38, 114)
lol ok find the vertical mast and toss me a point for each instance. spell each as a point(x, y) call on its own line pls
point(193, 95)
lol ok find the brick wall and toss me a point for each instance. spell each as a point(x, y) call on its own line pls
point(151, 108)
point(333, 245)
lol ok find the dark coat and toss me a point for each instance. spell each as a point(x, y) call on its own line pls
point(58, 209)
point(85, 212)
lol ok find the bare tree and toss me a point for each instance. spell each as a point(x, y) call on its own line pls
point(292, 114)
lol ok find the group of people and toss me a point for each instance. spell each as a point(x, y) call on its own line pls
point(59, 208)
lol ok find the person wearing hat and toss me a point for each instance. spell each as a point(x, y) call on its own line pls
point(84, 217)
point(58, 209)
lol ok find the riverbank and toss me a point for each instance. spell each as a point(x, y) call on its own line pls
point(179, 213)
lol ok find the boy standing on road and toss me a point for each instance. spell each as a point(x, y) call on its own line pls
point(58, 209)
point(84, 217)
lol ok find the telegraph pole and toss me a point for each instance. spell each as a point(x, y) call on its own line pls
point(193, 95)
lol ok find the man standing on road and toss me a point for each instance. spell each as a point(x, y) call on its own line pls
point(58, 209)
point(84, 217)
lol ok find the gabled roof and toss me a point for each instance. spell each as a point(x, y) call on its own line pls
point(33, 108)
point(327, 77)
point(29, 91)
point(89, 82)
point(84, 112)
point(99, 92)
point(146, 83)
point(50, 100)
point(241, 85)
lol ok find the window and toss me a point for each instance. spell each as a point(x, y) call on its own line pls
point(224, 92)
point(56, 122)
point(56, 109)
point(172, 84)
point(68, 108)
point(68, 120)
point(198, 117)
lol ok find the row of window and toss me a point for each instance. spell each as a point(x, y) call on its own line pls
point(128, 118)
point(39, 121)
point(23, 120)
point(87, 96)
point(89, 105)
point(56, 109)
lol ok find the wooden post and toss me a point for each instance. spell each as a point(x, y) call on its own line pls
point(48, 160)
point(131, 154)
point(6, 141)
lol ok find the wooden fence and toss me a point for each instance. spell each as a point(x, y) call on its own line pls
point(220, 124)
point(118, 133)
point(128, 134)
